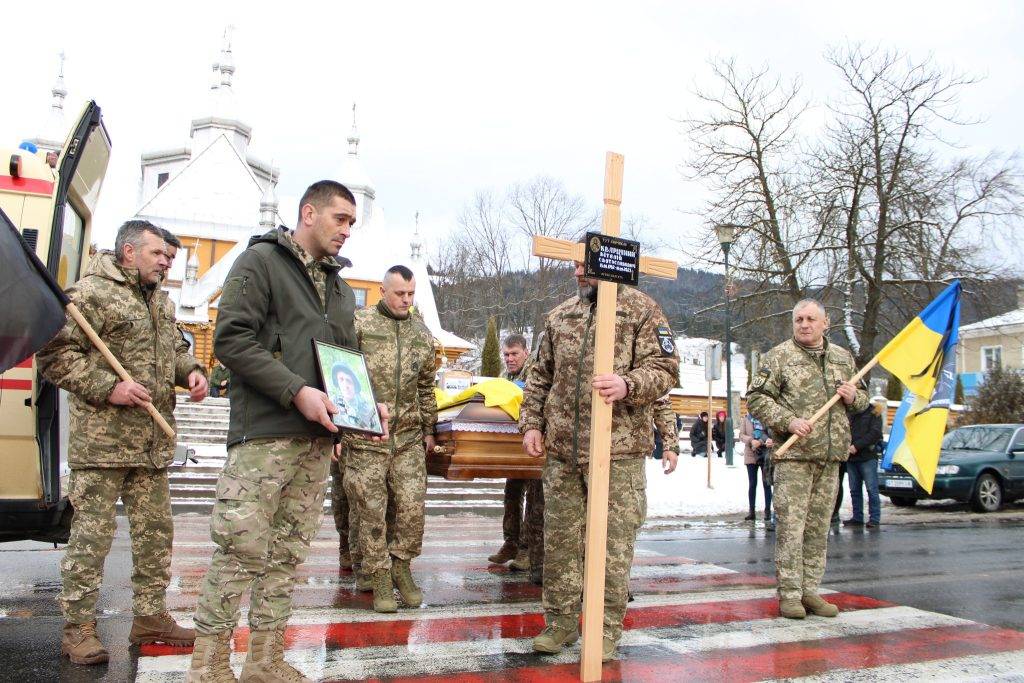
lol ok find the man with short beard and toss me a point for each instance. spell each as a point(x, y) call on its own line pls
point(115, 448)
point(555, 420)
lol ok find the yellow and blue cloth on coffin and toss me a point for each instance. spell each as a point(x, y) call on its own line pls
point(923, 357)
point(497, 393)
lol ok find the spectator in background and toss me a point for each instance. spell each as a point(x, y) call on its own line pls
point(718, 432)
point(756, 443)
point(699, 435)
point(862, 467)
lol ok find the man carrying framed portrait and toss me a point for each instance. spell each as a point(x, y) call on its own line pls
point(386, 481)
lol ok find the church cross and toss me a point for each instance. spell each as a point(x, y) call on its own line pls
point(600, 412)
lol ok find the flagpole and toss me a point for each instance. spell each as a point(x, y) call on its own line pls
point(77, 316)
point(825, 408)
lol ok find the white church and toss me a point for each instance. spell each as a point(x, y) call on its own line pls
point(214, 195)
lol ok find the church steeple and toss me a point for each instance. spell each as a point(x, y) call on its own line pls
point(416, 243)
point(353, 137)
point(268, 205)
point(222, 117)
point(353, 176)
point(56, 128)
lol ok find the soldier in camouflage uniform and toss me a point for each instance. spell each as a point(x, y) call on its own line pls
point(386, 482)
point(555, 420)
point(522, 525)
point(116, 450)
point(795, 379)
point(281, 293)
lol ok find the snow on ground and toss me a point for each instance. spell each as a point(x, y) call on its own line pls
point(685, 492)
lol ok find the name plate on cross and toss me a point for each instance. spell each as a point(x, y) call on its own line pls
point(612, 258)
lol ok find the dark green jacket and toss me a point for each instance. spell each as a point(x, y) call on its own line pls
point(269, 313)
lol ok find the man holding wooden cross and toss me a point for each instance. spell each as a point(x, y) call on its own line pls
point(555, 419)
point(795, 379)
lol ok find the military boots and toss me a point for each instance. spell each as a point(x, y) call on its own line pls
point(344, 559)
point(160, 628)
point(211, 660)
point(383, 592)
point(522, 561)
point(265, 661)
point(814, 604)
point(81, 644)
point(559, 632)
point(401, 574)
point(364, 581)
point(507, 552)
point(792, 609)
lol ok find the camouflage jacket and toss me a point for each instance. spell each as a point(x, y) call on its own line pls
point(139, 328)
point(400, 359)
point(558, 388)
point(794, 382)
point(665, 421)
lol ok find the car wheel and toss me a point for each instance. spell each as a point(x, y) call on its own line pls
point(903, 502)
point(988, 494)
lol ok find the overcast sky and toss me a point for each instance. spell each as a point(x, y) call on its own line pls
point(457, 97)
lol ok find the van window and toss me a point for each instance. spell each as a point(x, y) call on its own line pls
point(71, 244)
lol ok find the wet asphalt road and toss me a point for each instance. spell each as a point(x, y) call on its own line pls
point(945, 560)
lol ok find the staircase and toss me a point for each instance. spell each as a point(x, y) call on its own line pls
point(204, 428)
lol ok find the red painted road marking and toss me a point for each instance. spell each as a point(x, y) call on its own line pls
point(420, 631)
point(782, 660)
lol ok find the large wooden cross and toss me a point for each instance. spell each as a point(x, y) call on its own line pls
point(600, 412)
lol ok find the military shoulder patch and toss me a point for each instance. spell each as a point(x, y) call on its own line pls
point(762, 376)
point(666, 341)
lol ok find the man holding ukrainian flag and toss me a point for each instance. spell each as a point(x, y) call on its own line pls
point(922, 356)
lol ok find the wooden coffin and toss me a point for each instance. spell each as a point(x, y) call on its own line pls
point(476, 441)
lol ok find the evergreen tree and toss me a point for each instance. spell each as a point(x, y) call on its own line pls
point(999, 399)
point(490, 358)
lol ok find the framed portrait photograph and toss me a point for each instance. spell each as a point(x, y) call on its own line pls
point(347, 383)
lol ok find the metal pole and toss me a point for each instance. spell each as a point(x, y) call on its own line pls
point(728, 365)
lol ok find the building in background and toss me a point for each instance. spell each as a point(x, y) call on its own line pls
point(987, 343)
point(215, 195)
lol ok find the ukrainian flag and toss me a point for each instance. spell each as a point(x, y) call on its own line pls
point(923, 357)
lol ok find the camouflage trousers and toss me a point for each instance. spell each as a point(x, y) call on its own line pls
point(344, 516)
point(804, 493)
point(522, 522)
point(387, 492)
point(270, 497)
point(147, 503)
point(565, 514)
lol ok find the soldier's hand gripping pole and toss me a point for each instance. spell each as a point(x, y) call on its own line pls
point(825, 408)
point(77, 316)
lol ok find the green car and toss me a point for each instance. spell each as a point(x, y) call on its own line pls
point(980, 464)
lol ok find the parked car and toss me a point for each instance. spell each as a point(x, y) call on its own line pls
point(979, 464)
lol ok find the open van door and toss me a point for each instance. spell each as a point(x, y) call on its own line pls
point(34, 420)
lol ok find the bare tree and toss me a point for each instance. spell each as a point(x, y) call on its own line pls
point(744, 149)
point(910, 216)
point(543, 207)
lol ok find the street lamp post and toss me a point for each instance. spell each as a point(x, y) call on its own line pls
point(726, 233)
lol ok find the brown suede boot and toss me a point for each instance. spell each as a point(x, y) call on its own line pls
point(160, 628)
point(384, 592)
point(265, 661)
point(211, 660)
point(401, 576)
point(522, 561)
point(814, 604)
point(507, 552)
point(81, 644)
